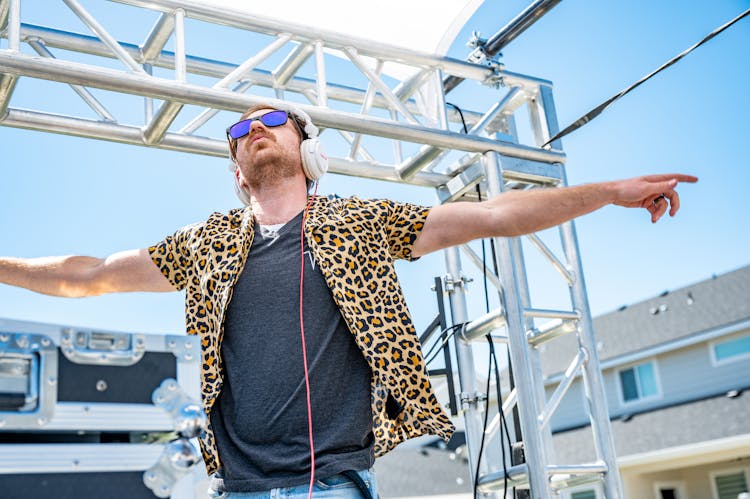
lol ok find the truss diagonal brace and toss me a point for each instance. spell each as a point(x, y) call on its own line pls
point(157, 38)
point(103, 35)
point(564, 272)
point(291, 64)
point(3, 14)
point(154, 132)
point(382, 87)
point(207, 114)
point(366, 106)
point(240, 71)
point(93, 103)
point(480, 264)
point(7, 85)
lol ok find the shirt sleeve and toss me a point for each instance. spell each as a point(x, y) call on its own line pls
point(404, 222)
point(173, 255)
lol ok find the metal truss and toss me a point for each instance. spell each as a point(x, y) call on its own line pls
point(424, 147)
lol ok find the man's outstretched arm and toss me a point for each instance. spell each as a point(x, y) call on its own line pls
point(515, 213)
point(77, 276)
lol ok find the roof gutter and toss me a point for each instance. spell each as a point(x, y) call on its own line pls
point(723, 449)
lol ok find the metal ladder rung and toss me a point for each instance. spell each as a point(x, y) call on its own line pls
point(480, 326)
point(542, 313)
point(551, 330)
point(517, 476)
point(561, 476)
point(568, 476)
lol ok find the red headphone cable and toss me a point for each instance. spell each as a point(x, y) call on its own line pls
point(302, 332)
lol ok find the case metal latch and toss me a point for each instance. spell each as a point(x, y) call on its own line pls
point(28, 379)
point(102, 348)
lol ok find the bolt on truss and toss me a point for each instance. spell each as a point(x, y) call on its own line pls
point(394, 124)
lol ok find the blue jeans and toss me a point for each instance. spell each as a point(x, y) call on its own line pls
point(334, 487)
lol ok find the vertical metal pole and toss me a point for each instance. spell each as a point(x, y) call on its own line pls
point(398, 157)
point(536, 362)
point(14, 25)
point(320, 69)
point(534, 447)
point(180, 63)
point(596, 398)
point(465, 360)
point(440, 108)
point(148, 102)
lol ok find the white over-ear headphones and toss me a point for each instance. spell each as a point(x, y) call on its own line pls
point(314, 159)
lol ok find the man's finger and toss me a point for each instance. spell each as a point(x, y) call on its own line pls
point(659, 205)
point(680, 177)
point(674, 202)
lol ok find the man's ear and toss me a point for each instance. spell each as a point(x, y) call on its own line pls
point(238, 176)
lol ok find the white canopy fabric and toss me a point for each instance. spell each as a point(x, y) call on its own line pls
point(425, 25)
point(428, 26)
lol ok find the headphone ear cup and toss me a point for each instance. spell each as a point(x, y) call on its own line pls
point(314, 159)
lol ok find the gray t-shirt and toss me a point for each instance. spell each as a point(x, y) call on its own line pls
point(260, 418)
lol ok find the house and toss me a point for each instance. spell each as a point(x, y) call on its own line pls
point(676, 371)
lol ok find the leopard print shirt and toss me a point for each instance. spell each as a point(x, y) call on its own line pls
point(355, 243)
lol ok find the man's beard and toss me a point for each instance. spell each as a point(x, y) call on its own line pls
point(270, 172)
point(269, 169)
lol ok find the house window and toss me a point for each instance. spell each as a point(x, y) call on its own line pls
point(638, 382)
point(584, 494)
point(732, 349)
point(669, 490)
point(730, 485)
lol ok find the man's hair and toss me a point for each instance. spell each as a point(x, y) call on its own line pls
point(298, 121)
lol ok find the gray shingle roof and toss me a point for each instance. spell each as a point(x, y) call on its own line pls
point(699, 421)
point(715, 302)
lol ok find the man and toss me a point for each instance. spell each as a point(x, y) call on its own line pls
point(307, 342)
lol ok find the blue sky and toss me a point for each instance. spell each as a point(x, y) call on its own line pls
point(66, 195)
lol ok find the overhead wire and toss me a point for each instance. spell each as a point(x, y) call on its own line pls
point(604, 105)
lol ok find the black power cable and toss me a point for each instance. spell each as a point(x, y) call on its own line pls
point(484, 427)
point(604, 105)
point(460, 113)
point(436, 347)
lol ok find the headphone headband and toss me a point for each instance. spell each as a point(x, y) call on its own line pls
point(310, 129)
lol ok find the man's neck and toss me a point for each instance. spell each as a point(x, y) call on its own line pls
point(278, 203)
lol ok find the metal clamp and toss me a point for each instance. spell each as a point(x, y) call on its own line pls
point(187, 414)
point(93, 347)
point(176, 461)
point(472, 398)
point(450, 283)
point(28, 379)
point(180, 455)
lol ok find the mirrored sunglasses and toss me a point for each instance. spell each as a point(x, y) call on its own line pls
point(270, 119)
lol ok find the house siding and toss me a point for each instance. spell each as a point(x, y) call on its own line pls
point(683, 375)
